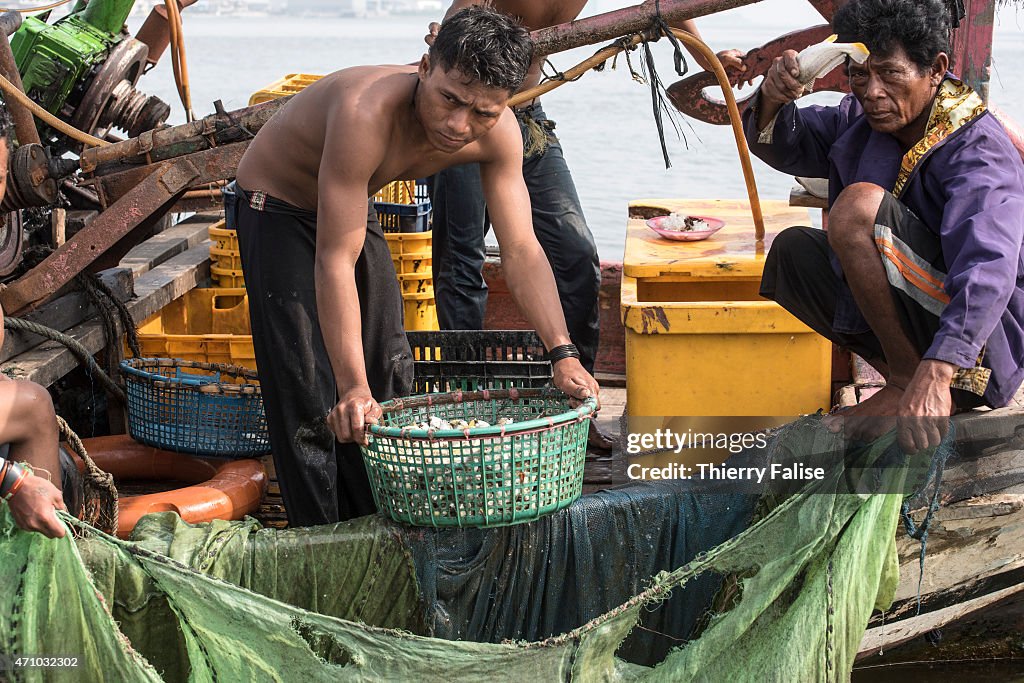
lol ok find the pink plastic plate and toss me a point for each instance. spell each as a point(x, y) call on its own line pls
point(715, 224)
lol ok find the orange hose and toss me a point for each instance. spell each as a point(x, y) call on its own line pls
point(178, 60)
point(42, 8)
point(737, 126)
point(723, 80)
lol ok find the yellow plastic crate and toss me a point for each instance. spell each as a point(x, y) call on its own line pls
point(417, 283)
point(408, 265)
point(206, 325)
point(700, 341)
point(397, 192)
point(228, 278)
point(283, 87)
point(226, 259)
point(410, 244)
point(420, 311)
point(222, 237)
point(226, 269)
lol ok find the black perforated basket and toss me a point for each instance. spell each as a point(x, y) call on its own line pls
point(473, 360)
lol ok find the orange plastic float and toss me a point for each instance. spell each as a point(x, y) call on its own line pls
point(220, 489)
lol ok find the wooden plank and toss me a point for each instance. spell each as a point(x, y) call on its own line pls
point(965, 558)
point(890, 635)
point(169, 243)
point(48, 362)
point(982, 506)
point(64, 313)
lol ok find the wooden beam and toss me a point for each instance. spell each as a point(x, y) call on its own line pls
point(64, 313)
point(48, 362)
point(169, 243)
point(881, 638)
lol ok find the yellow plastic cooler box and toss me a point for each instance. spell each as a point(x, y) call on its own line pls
point(700, 341)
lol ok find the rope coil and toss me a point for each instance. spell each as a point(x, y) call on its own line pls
point(100, 492)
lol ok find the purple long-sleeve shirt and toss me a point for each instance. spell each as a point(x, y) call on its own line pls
point(968, 189)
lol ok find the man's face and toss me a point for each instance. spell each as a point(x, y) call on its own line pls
point(453, 112)
point(893, 91)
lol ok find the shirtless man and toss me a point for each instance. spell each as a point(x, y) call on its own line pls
point(461, 214)
point(325, 305)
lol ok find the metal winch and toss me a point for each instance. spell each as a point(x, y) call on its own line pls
point(84, 69)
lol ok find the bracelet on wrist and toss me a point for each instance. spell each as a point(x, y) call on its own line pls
point(562, 352)
point(22, 475)
point(8, 476)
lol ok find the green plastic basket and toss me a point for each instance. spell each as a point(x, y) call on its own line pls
point(478, 477)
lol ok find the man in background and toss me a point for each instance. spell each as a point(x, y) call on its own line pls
point(460, 219)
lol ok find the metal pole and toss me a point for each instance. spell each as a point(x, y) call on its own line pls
point(170, 143)
point(24, 123)
point(610, 25)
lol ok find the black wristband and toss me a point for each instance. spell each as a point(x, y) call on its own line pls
point(562, 352)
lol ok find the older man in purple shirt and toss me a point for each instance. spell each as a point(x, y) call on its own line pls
point(926, 194)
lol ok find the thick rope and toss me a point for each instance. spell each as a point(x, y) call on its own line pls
point(100, 492)
point(74, 346)
point(113, 311)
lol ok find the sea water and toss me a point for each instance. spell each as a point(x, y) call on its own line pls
point(604, 120)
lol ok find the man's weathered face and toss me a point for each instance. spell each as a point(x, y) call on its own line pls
point(893, 90)
point(453, 111)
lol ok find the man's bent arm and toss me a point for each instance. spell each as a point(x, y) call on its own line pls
point(527, 270)
point(345, 170)
point(981, 232)
point(801, 137)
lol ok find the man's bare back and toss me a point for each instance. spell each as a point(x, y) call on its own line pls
point(363, 113)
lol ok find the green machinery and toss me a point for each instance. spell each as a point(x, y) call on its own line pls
point(84, 68)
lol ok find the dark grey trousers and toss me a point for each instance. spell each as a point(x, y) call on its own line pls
point(460, 223)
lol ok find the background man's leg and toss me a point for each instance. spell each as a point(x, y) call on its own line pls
point(458, 245)
point(294, 369)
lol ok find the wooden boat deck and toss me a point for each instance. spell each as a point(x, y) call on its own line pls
point(987, 590)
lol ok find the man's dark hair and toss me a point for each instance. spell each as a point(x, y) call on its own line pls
point(484, 45)
point(920, 27)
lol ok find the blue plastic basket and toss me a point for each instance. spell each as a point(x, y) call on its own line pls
point(185, 406)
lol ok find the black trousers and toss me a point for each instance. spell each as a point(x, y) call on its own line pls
point(322, 481)
point(799, 276)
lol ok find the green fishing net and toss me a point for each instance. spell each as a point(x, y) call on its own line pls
point(229, 601)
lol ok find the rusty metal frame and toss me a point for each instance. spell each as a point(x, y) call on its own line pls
point(106, 235)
